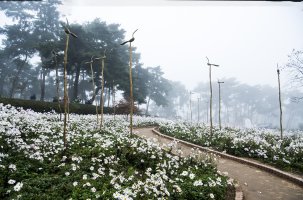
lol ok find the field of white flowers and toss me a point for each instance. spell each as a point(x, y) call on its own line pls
point(263, 145)
point(107, 164)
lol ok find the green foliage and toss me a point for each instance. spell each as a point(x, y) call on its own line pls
point(41, 106)
point(107, 164)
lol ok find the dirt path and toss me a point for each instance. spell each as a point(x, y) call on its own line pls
point(256, 184)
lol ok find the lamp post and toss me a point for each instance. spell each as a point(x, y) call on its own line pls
point(68, 33)
point(280, 102)
point(220, 82)
point(131, 80)
point(211, 97)
point(94, 93)
point(191, 113)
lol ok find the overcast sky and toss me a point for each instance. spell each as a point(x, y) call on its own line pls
point(247, 39)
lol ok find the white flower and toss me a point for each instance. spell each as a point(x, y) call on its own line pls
point(184, 173)
point(191, 176)
point(198, 183)
point(84, 177)
point(177, 188)
point(67, 173)
point(12, 167)
point(211, 195)
point(91, 168)
point(18, 186)
point(75, 183)
point(11, 181)
point(93, 189)
point(63, 158)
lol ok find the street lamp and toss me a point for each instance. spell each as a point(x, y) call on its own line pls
point(220, 82)
point(94, 93)
point(211, 97)
point(67, 33)
point(130, 80)
point(280, 102)
point(191, 114)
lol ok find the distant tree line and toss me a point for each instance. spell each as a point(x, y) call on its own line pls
point(27, 65)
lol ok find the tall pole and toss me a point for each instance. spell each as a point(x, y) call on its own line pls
point(207, 112)
point(67, 32)
point(280, 102)
point(65, 92)
point(220, 103)
point(131, 88)
point(130, 81)
point(211, 97)
point(191, 113)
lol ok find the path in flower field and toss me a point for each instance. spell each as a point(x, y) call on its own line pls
point(255, 183)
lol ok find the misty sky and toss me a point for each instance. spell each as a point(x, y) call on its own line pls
point(247, 39)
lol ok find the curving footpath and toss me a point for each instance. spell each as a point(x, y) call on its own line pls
point(257, 181)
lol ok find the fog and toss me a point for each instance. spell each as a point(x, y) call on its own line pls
point(247, 39)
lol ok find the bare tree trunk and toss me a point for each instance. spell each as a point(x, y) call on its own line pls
point(76, 83)
point(108, 100)
point(16, 78)
point(42, 85)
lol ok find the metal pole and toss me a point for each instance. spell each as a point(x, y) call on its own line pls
point(220, 104)
point(210, 103)
point(211, 97)
point(280, 102)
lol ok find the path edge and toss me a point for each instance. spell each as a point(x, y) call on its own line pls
point(296, 180)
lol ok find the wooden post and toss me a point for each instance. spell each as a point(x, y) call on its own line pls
point(65, 92)
point(211, 97)
point(130, 80)
point(280, 102)
point(68, 33)
point(131, 88)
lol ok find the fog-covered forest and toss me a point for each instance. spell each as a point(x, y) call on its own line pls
point(32, 50)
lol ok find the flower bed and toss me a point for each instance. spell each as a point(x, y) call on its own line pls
point(107, 164)
point(263, 145)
